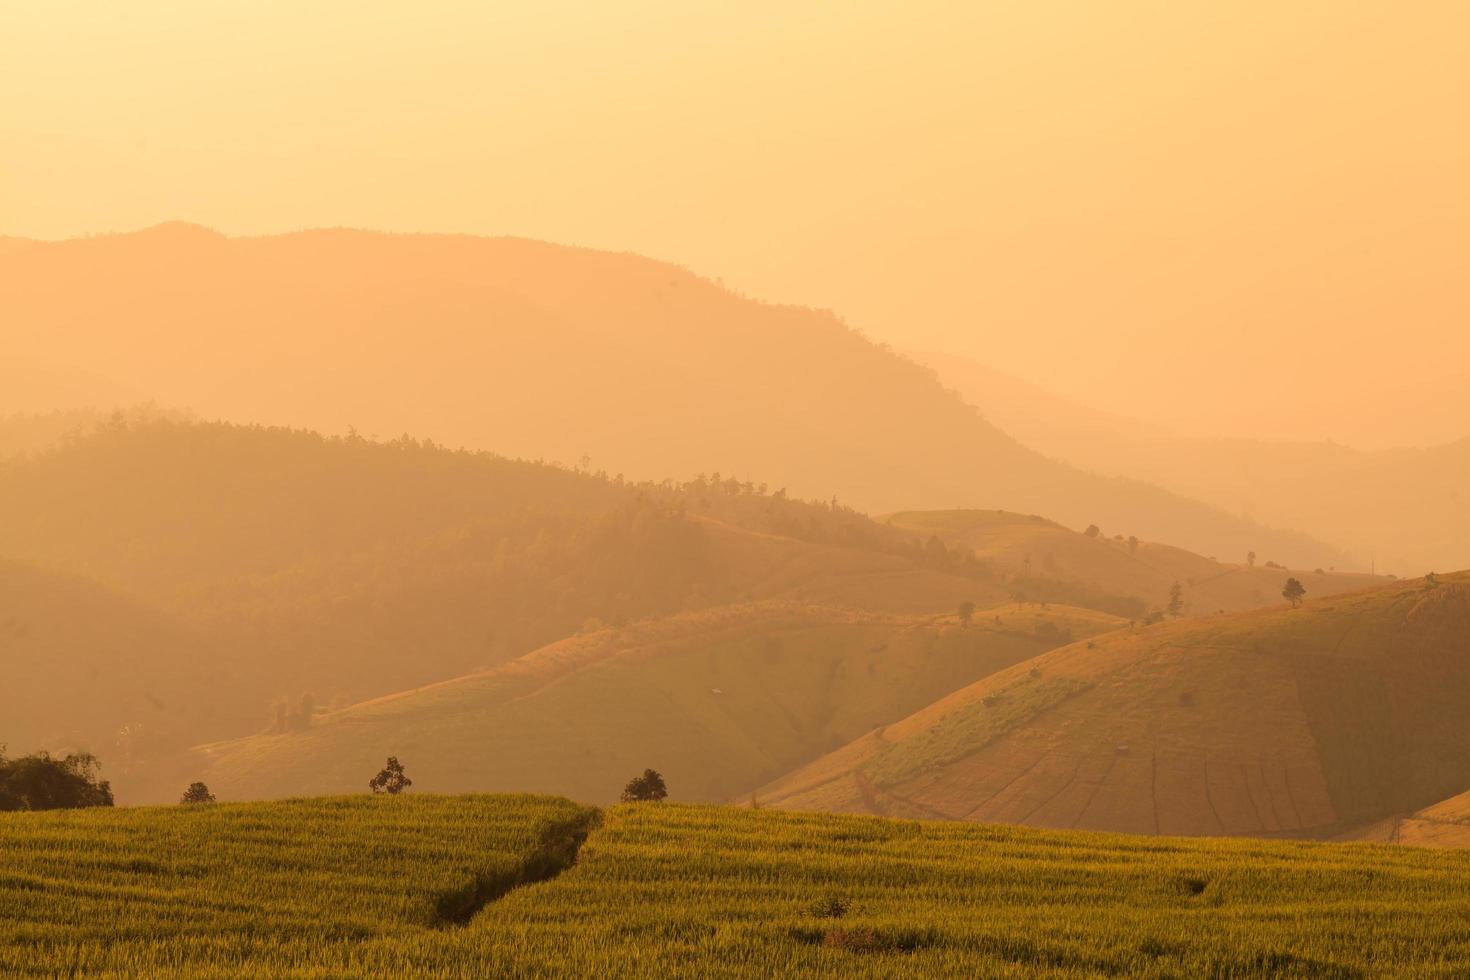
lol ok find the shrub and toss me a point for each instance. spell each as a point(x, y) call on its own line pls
point(40, 782)
point(830, 907)
point(647, 787)
point(197, 793)
point(391, 779)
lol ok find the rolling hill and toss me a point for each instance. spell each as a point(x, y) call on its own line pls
point(536, 350)
point(720, 701)
point(1406, 508)
point(311, 573)
point(1286, 721)
point(1043, 560)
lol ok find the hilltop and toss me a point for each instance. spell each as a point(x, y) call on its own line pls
point(1283, 721)
point(720, 701)
point(533, 350)
point(520, 886)
point(1043, 560)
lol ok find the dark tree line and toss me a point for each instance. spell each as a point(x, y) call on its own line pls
point(42, 782)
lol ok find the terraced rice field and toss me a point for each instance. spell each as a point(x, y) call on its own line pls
point(424, 886)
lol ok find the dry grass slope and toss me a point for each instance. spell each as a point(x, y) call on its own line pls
point(720, 701)
point(1280, 722)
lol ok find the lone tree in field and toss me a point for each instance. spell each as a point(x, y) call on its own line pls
point(197, 793)
point(649, 786)
point(39, 782)
point(1293, 592)
point(1092, 531)
point(1250, 558)
point(391, 780)
point(1132, 543)
point(965, 612)
point(1175, 608)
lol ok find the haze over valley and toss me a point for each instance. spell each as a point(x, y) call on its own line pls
point(769, 490)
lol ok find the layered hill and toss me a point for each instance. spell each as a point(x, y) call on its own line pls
point(1042, 560)
point(538, 350)
point(1404, 507)
point(719, 701)
point(318, 572)
point(1286, 721)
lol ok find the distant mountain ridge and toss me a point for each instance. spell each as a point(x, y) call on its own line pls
point(538, 350)
point(1405, 510)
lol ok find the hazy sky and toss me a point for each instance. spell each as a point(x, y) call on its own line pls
point(1237, 216)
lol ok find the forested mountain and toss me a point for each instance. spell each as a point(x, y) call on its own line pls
point(281, 573)
point(538, 350)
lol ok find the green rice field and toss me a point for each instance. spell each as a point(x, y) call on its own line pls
point(476, 886)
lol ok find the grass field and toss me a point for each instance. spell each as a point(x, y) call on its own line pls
point(379, 886)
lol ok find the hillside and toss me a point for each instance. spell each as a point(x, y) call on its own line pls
point(313, 573)
point(1283, 721)
point(719, 701)
point(532, 887)
point(1406, 508)
point(1445, 824)
point(1045, 561)
point(86, 666)
point(537, 350)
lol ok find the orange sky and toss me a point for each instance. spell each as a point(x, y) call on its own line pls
point(1238, 217)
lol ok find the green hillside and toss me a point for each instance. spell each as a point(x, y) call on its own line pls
point(427, 886)
point(720, 701)
point(1285, 721)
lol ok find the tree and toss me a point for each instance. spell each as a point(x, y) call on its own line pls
point(1092, 531)
point(1250, 558)
point(197, 793)
point(392, 779)
point(965, 612)
point(40, 782)
point(1175, 608)
point(1293, 592)
point(649, 786)
point(1132, 544)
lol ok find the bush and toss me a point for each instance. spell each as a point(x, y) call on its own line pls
point(391, 779)
point(830, 907)
point(647, 787)
point(197, 793)
point(39, 782)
